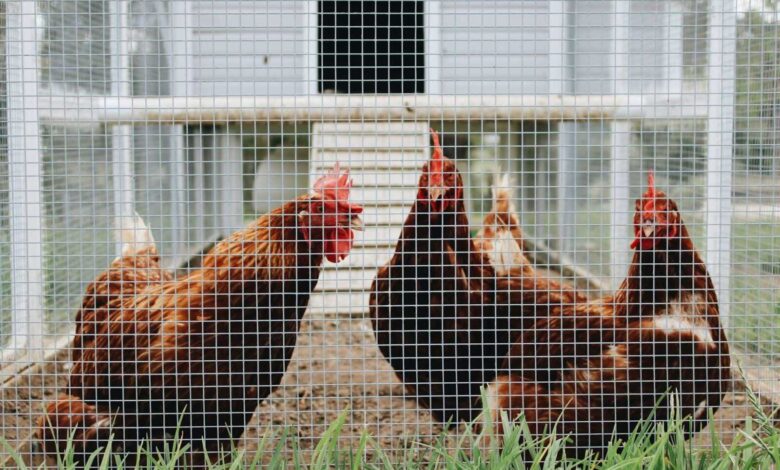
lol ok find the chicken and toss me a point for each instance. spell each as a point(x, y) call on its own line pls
point(602, 366)
point(501, 237)
point(204, 349)
point(137, 267)
point(440, 309)
point(420, 299)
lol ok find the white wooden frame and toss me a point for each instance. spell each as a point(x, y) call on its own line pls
point(25, 178)
point(121, 135)
point(720, 135)
point(620, 151)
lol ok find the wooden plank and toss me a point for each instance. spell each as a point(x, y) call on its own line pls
point(339, 303)
point(381, 215)
point(386, 189)
point(366, 163)
point(374, 109)
point(345, 280)
point(378, 236)
point(205, 7)
point(372, 179)
point(373, 129)
point(264, 66)
point(369, 257)
point(380, 195)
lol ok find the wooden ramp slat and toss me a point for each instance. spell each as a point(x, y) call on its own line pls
point(384, 160)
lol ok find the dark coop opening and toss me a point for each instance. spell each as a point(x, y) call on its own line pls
point(371, 47)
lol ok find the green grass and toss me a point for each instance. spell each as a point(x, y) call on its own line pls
point(651, 446)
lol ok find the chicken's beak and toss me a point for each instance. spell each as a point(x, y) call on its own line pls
point(435, 193)
point(648, 228)
point(356, 223)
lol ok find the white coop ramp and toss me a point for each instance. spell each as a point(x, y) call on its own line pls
point(384, 160)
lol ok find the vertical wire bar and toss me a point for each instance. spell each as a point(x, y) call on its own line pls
point(25, 181)
point(720, 129)
point(121, 135)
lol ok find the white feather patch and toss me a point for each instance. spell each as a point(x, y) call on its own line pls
point(673, 324)
point(502, 188)
point(133, 234)
point(700, 410)
point(491, 394)
point(506, 253)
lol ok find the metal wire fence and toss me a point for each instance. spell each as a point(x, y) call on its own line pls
point(198, 117)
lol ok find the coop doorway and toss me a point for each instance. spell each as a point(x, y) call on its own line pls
point(368, 47)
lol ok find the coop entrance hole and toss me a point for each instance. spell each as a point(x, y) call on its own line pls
point(371, 47)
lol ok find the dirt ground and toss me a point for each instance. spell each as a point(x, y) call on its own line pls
point(336, 367)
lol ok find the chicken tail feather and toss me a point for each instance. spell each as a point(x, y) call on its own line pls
point(503, 197)
point(133, 234)
point(69, 419)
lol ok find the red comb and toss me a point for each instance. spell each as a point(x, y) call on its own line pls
point(334, 184)
point(650, 193)
point(650, 183)
point(437, 159)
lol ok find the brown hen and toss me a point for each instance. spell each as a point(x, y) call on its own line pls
point(200, 352)
point(599, 368)
point(436, 306)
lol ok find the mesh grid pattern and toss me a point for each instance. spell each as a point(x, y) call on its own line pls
point(191, 119)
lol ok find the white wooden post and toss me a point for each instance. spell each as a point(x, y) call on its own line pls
point(720, 128)
point(178, 37)
point(230, 187)
point(567, 187)
point(121, 135)
point(25, 183)
point(197, 142)
point(620, 203)
point(178, 158)
point(559, 84)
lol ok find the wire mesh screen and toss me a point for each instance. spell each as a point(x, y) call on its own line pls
point(277, 228)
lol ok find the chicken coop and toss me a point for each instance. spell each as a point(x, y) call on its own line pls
point(172, 125)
